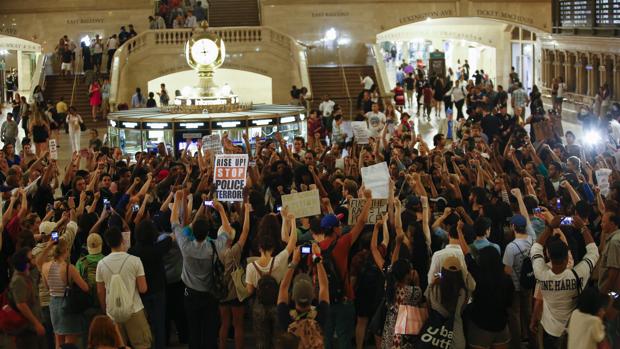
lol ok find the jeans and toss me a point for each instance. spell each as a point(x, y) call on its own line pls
point(341, 321)
point(203, 319)
point(459, 108)
point(155, 306)
point(110, 58)
point(519, 317)
point(174, 312)
point(46, 320)
point(74, 139)
point(552, 342)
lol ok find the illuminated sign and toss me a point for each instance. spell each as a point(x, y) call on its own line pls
point(263, 122)
point(287, 119)
point(130, 124)
point(112, 123)
point(156, 125)
point(192, 124)
point(228, 124)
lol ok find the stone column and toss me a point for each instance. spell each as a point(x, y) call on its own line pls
point(578, 75)
point(591, 89)
point(569, 77)
point(24, 73)
point(616, 90)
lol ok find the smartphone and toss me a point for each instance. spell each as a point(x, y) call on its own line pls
point(567, 221)
point(106, 203)
point(209, 203)
point(49, 207)
point(558, 204)
point(537, 210)
point(613, 294)
point(438, 275)
point(54, 236)
point(136, 208)
point(279, 208)
point(305, 249)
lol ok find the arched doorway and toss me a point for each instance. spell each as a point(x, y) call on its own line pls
point(18, 66)
point(487, 44)
point(249, 86)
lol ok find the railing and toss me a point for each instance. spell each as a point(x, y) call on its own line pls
point(38, 77)
point(346, 83)
point(379, 66)
point(73, 88)
point(178, 37)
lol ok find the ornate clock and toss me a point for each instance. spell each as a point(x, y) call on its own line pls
point(205, 52)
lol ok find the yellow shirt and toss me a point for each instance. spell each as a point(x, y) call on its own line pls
point(61, 107)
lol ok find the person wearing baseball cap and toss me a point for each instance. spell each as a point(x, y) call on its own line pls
point(337, 245)
point(303, 293)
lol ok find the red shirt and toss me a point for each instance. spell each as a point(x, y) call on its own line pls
point(340, 256)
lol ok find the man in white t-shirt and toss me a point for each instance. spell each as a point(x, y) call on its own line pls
point(367, 82)
point(559, 98)
point(559, 285)
point(376, 121)
point(131, 270)
point(327, 107)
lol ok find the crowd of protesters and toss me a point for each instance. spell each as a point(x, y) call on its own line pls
point(491, 236)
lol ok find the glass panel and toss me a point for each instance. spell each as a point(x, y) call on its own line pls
point(234, 134)
point(153, 137)
point(528, 66)
point(130, 141)
point(113, 139)
point(292, 130)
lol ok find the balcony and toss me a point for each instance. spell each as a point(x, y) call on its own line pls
point(156, 53)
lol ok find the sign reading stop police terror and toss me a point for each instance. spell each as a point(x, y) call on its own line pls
point(229, 176)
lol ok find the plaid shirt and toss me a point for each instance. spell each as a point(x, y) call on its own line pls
point(520, 98)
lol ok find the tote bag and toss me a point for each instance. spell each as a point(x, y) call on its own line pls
point(410, 319)
point(437, 333)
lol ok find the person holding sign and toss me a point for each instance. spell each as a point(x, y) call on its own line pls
point(337, 246)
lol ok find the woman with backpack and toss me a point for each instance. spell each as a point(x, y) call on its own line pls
point(263, 275)
point(58, 276)
point(232, 307)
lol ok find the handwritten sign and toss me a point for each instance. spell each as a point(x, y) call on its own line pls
point(377, 178)
point(303, 204)
point(229, 176)
point(53, 149)
point(212, 143)
point(377, 210)
point(360, 131)
point(602, 178)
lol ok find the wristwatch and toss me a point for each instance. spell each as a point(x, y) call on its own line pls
point(292, 265)
point(316, 259)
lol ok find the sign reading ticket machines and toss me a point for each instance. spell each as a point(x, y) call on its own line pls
point(229, 177)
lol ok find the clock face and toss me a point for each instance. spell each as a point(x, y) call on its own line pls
point(204, 51)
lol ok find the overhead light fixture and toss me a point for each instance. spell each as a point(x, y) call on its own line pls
point(130, 124)
point(287, 119)
point(157, 125)
point(192, 125)
point(262, 122)
point(227, 124)
point(331, 34)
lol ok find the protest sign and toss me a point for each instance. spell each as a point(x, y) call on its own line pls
point(360, 131)
point(212, 143)
point(303, 204)
point(377, 210)
point(229, 176)
point(377, 178)
point(53, 149)
point(602, 178)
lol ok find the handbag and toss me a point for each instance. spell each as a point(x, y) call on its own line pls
point(12, 322)
point(82, 126)
point(76, 301)
point(410, 319)
point(438, 332)
point(238, 277)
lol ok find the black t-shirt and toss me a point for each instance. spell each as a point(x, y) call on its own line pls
point(67, 55)
point(491, 126)
point(409, 83)
point(153, 262)
point(150, 103)
point(285, 319)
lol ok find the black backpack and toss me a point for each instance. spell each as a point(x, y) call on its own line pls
point(336, 284)
point(527, 280)
point(220, 287)
point(267, 288)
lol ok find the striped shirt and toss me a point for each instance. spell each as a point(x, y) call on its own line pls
point(55, 280)
point(520, 98)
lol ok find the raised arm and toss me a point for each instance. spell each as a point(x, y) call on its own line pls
point(224, 217)
point(322, 275)
point(361, 220)
point(292, 239)
point(374, 249)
